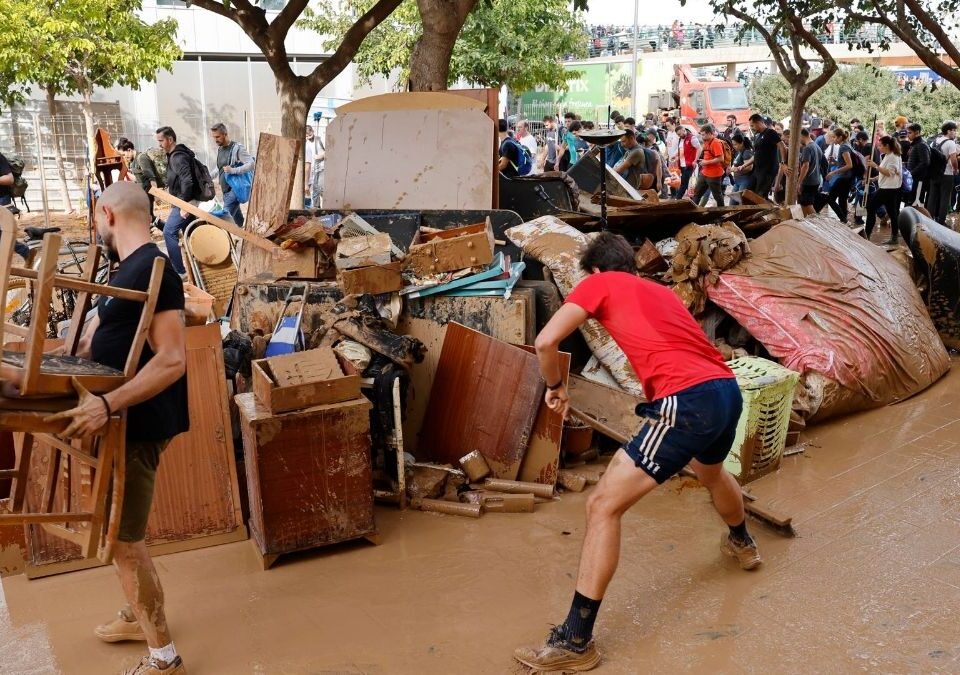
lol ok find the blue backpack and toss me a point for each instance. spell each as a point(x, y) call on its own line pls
point(525, 165)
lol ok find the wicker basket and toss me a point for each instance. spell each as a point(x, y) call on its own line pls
point(767, 390)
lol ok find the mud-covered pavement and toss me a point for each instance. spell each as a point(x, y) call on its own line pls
point(871, 584)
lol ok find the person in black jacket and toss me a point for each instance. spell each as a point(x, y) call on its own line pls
point(182, 184)
point(918, 162)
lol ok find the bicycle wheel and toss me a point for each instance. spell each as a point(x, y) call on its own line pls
point(17, 300)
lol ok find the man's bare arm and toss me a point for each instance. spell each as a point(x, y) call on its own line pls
point(566, 320)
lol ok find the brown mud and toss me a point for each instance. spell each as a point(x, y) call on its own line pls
point(872, 582)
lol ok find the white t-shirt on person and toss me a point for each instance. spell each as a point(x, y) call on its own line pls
point(947, 147)
point(894, 164)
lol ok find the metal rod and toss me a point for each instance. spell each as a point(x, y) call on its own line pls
point(603, 187)
point(633, 70)
point(43, 178)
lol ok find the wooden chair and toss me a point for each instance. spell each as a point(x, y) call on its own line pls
point(94, 529)
point(45, 387)
point(42, 374)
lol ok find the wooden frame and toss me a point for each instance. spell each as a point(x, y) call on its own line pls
point(105, 454)
point(47, 375)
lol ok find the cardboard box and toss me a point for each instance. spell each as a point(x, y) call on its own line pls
point(450, 250)
point(374, 279)
point(302, 379)
point(353, 252)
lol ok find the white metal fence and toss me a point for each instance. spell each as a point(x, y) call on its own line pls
point(28, 133)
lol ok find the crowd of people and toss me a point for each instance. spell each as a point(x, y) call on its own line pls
point(609, 40)
point(837, 165)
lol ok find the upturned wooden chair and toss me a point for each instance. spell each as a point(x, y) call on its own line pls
point(40, 374)
point(46, 385)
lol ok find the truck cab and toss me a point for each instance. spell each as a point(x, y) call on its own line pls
point(704, 101)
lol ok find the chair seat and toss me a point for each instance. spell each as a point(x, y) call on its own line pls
point(53, 364)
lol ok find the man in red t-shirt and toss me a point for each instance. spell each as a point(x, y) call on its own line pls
point(691, 417)
point(711, 165)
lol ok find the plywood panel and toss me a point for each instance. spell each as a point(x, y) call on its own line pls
point(414, 100)
point(485, 397)
point(269, 199)
point(542, 460)
point(415, 159)
point(426, 319)
point(614, 407)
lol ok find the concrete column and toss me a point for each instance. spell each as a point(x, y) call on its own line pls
point(731, 72)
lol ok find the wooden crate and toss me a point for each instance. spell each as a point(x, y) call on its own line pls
point(308, 475)
point(301, 380)
point(450, 250)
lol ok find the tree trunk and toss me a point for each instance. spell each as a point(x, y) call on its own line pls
point(91, 130)
point(296, 97)
point(430, 59)
point(57, 153)
point(800, 96)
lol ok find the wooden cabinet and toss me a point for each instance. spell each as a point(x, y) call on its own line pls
point(309, 477)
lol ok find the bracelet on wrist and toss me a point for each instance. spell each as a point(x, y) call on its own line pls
point(554, 387)
point(105, 404)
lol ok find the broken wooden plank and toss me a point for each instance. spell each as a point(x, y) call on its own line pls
point(542, 459)
point(363, 251)
point(187, 207)
point(485, 397)
point(613, 407)
point(269, 207)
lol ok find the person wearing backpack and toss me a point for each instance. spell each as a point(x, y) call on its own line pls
point(840, 177)
point(232, 159)
point(943, 168)
point(636, 167)
point(889, 173)
point(144, 169)
point(183, 183)
point(514, 160)
point(712, 165)
point(7, 180)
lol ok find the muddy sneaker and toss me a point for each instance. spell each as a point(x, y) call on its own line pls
point(747, 554)
point(557, 655)
point(124, 627)
point(151, 666)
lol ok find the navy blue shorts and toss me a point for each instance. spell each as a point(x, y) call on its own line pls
point(697, 423)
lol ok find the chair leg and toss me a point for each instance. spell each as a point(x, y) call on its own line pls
point(116, 496)
point(18, 490)
point(107, 445)
point(50, 482)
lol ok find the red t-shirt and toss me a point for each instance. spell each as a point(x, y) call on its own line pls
point(663, 342)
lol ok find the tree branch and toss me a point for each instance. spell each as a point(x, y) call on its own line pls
point(287, 17)
point(779, 53)
point(935, 29)
point(909, 36)
point(215, 7)
point(339, 60)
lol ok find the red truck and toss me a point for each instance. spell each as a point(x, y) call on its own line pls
point(701, 101)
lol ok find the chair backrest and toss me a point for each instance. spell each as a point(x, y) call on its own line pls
point(46, 279)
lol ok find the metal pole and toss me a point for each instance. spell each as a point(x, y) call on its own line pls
point(633, 72)
point(603, 187)
point(43, 178)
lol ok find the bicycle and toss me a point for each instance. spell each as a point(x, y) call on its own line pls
point(71, 259)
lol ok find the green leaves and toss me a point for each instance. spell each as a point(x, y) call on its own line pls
point(854, 91)
point(76, 45)
point(520, 43)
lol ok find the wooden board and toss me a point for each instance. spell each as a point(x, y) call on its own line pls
point(376, 160)
point(354, 252)
point(308, 474)
point(542, 459)
point(485, 397)
point(417, 100)
point(426, 319)
point(197, 496)
point(258, 304)
point(269, 197)
point(375, 279)
point(612, 407)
